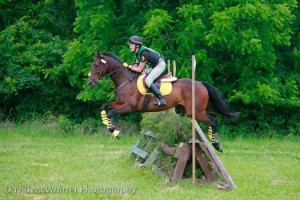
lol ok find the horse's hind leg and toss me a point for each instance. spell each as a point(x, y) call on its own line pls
point(212, 132)
point(209, 119)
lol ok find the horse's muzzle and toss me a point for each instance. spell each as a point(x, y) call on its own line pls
point(92, 83)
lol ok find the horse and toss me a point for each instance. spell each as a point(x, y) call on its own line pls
point(129, 99)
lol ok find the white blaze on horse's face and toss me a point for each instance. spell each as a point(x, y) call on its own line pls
point(92, 81)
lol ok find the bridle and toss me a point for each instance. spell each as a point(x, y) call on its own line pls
point(105, 66)
point(111, 73)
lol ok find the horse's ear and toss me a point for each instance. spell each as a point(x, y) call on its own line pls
point(97, 54)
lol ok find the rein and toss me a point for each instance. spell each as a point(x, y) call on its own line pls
point(110, 73)
point(131, 78)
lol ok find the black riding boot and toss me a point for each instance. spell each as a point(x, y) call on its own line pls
point(160, 101)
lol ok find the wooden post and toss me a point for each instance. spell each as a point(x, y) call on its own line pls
point(219, 164)
point(193, 122)
point(174, 68)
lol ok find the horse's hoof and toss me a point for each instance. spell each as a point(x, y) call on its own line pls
point(111, 129)
point(116, 133)
point(217, 146)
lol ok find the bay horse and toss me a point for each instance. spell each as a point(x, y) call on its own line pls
point(129, 99)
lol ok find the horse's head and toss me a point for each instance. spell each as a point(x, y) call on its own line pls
point(108, 63)
point(98, 70)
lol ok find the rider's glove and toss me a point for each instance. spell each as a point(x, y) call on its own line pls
point(126, 65)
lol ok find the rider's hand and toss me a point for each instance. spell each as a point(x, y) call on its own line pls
point(126, 65)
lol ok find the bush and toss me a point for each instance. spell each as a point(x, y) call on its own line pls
point(172, 128)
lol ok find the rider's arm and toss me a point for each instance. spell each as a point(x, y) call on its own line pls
point(138, 67)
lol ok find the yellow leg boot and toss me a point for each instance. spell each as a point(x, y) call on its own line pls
point(104, 118)
point(210, 134)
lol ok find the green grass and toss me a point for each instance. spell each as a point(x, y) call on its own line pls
point(39, 161)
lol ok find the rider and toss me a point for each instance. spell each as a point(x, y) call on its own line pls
point(148, 56)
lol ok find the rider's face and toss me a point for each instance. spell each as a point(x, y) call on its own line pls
point(132, 47)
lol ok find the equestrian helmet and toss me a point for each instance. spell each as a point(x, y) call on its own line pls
point(135, 40)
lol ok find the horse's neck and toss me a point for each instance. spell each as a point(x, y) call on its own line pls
point(120, 76)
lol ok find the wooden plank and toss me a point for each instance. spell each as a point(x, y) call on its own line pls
point(152, 157)
point(148, 145)
point(181, 162)
point(148, 133)
point(139, 152)
point(223, 171)
point(208, 171)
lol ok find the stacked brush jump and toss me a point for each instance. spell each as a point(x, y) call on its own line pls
point(149, 151)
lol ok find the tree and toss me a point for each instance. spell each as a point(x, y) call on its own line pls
point(247, 49)
point(28, 52)
point(238, 50)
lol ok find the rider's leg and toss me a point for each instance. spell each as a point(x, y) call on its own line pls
point(154, 74)
point(160, 101)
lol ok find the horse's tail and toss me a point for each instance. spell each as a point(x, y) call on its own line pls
point(218, 102)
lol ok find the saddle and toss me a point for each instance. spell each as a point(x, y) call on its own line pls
point(163, 82)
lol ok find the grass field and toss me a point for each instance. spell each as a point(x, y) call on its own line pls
point(41, 162)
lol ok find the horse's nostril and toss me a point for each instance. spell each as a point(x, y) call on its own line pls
point(92, 83)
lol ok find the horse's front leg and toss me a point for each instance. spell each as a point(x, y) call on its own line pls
point(116, 108)
point(103, 113)
point(107, 118)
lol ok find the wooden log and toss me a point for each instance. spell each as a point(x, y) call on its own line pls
point(181, 162)
point(205, 165)
point(219, 164)
point(167, 149)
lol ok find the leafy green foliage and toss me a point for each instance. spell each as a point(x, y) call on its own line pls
point(158, 22)
point(26, 54)
point(247, 49)
point(171, 127)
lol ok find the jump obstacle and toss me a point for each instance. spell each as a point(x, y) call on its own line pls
point(146, 152)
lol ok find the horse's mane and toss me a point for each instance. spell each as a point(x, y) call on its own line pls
point(112, 55)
